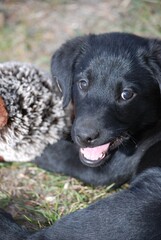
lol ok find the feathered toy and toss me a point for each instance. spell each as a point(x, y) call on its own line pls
point(31, 114)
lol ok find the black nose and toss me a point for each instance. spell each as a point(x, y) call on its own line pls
point(86, 137)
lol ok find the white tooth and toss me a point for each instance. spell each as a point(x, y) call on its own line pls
point(102, 155)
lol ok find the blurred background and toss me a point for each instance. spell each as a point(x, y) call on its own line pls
point(30, 31)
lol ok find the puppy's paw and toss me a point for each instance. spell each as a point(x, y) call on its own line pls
point(57, 157)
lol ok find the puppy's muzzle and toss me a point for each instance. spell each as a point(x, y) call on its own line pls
point(94, 148)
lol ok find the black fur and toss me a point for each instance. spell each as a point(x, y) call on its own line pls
point(105, 67)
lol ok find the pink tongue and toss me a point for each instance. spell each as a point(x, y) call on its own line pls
point(96, 152)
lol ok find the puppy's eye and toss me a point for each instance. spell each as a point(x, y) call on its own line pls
point(127, 94)
point(83, 84)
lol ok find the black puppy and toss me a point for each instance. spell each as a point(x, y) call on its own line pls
point(114, 82)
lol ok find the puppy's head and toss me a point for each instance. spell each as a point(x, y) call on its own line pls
point(114, 83)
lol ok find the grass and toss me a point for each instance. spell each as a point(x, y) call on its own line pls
point(32, 30)
point(144, 17)
point(37, 198)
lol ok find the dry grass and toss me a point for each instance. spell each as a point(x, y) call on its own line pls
point(30, 31)
point(38, 198)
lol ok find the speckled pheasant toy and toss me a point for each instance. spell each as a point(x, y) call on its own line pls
point(31, 114)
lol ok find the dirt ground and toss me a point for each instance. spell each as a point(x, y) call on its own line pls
point(30, 31)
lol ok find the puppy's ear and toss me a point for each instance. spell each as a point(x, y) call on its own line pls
point(151, 58)
point(155, 59)
point(62, 65)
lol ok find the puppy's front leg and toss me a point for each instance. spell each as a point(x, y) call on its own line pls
point(132, 214)
point(63, 157)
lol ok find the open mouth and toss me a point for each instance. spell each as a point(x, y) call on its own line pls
point(96, 156)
